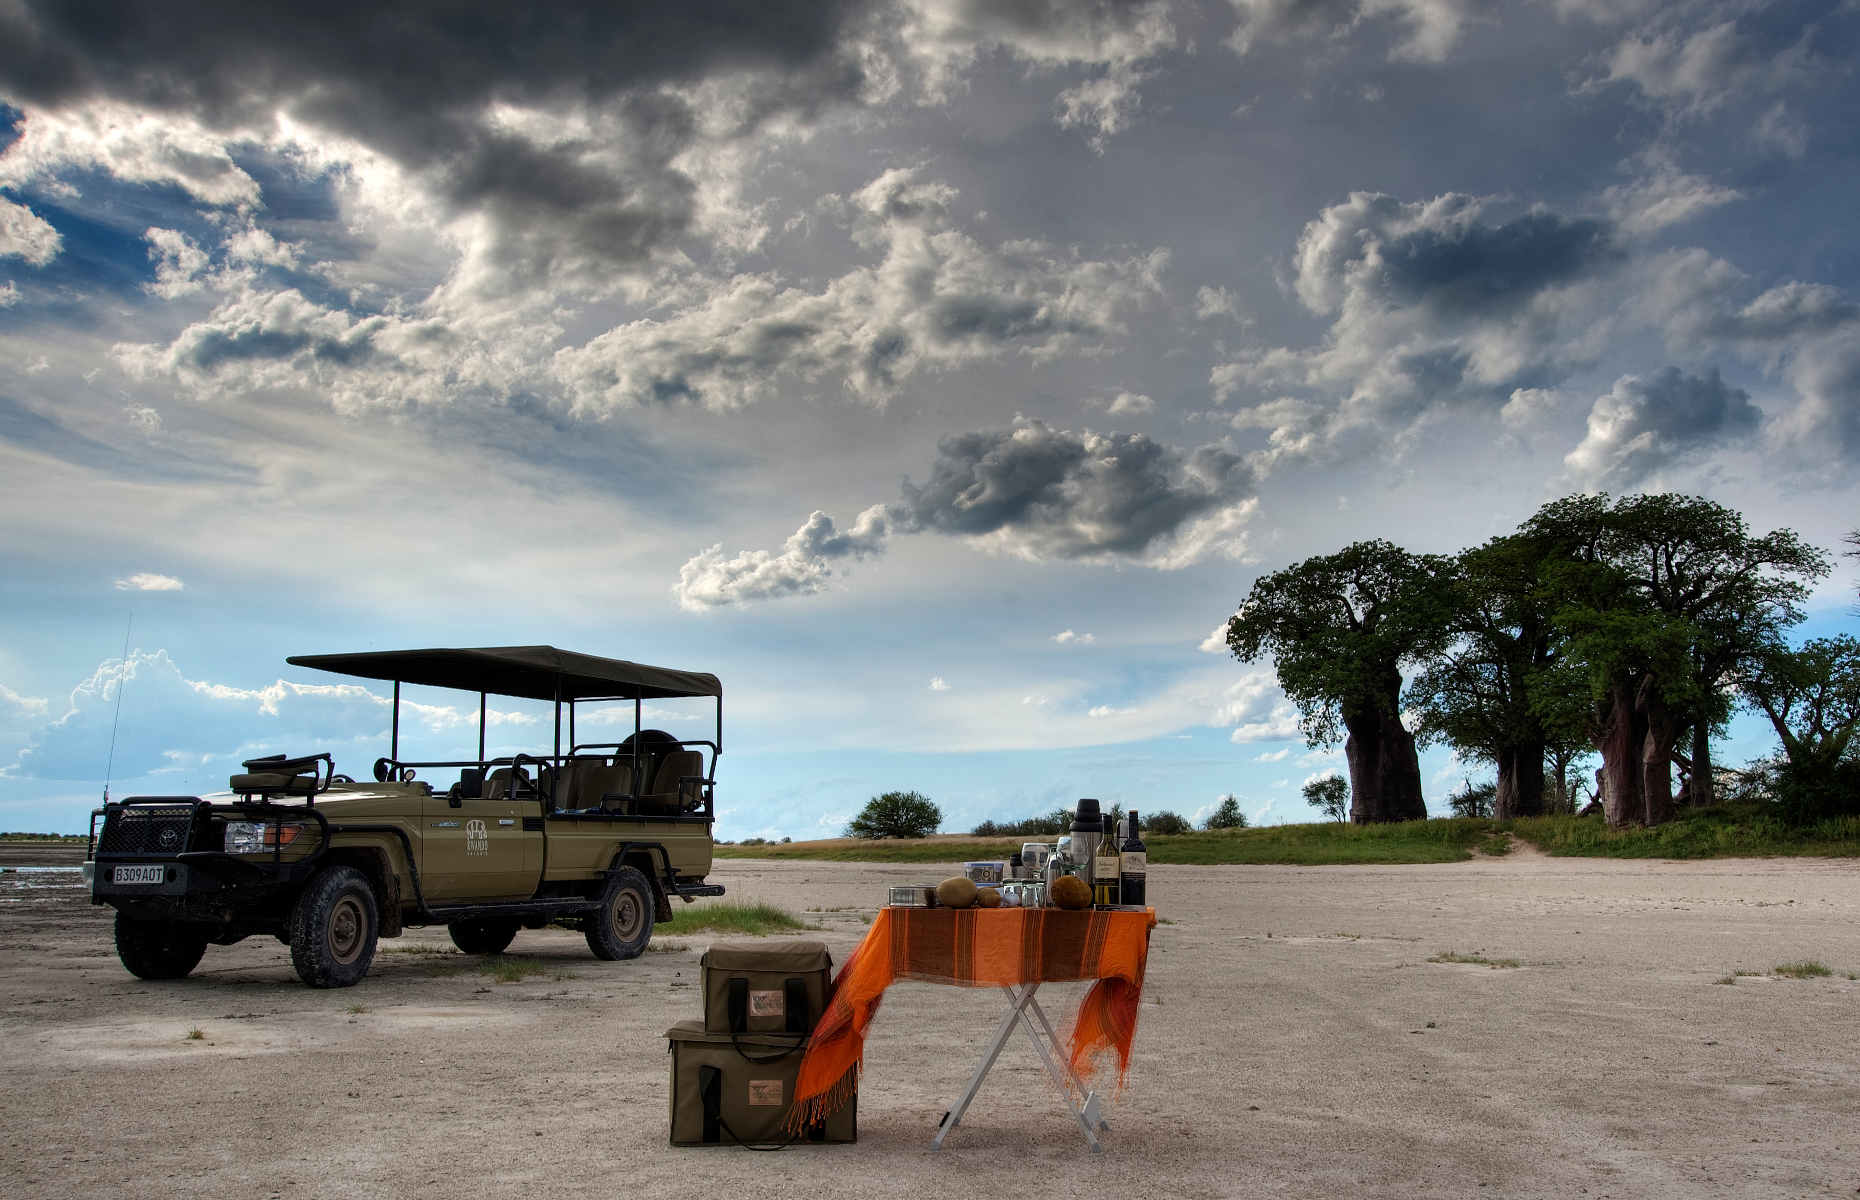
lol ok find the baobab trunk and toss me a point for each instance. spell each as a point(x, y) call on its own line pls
point(1385, 770)
point(1704, 787)
point(1520, 782)
point(1656, 756)
point(1622, 735)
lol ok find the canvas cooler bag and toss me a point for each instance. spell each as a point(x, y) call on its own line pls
point(736, 1088)
point(765, 987)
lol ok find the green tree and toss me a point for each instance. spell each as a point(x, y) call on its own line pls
point(1811, 696)
point(1227, 816)
point(1659, 598)
point(1165, 822)
point(1330, 795)
point(1340, 628)
point(896, 815)
point(1485, 693)
point(1474, 799)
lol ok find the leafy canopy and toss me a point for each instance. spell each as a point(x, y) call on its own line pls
point(1340, 626)
point(896, 815)
point(1330, 795)
point(1227, 816)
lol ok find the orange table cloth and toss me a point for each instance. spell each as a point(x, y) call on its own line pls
point(980, 947)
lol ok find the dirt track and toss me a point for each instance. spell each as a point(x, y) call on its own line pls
point(1294, 1040)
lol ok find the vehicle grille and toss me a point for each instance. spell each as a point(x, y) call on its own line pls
point(154, 830)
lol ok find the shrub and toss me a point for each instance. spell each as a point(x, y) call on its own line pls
point(1165, 823)
point(896, 815)
point(1051, 825)
point(1473, 799)
point(1330, 795)
point(1227, 816)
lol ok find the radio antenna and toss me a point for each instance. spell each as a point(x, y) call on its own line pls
point(122, 681)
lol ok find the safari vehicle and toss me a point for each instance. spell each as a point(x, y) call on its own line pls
point(599, 834)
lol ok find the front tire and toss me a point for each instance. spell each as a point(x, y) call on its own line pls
point(489, 936)
point(622, 925)
point(334, 928)
point(158, 949)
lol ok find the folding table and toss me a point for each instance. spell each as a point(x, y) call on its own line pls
point(1014, 949)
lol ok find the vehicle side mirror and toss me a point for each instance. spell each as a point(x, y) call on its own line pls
point(471, 783)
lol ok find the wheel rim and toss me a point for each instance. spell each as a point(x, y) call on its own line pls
point(628, 914)
point(346, 924)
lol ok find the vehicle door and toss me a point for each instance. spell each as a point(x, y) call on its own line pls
point(480, 849)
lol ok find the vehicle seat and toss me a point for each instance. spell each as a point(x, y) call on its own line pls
point(663, 797)
point(497, 783)
point(594, 783)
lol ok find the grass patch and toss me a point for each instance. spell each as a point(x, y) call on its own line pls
point(657, 947)
point(1734, 976)
point(1726, 831)
point(1330, 842)
point(1476, 960)
point(514, 970)
point(1801, 970)
point(434, 951)
point(1495, 845)
point(731, 916)
point(196, 1034)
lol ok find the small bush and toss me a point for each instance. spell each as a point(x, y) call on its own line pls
point(1227, 816)
point(896, 815)
point(1473, 799)
point(1166, 823)
point(1330, 795)
point(1051, 825)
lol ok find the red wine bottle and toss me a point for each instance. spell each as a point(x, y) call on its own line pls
point(1132, 866)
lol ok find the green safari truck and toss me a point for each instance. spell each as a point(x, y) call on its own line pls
point(599, 834)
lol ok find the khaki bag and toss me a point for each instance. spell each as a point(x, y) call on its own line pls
point(765, 987)
point(722, 1098)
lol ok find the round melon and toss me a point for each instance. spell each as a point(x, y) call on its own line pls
point(1069, 891)
point(958, 891)
point(987, 898)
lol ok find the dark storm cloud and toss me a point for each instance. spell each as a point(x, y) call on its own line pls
point(415, 82)
point(397, 71)
point(1478, 268)
point(1643, 425)
point(1068, 495)
point(1032, 490)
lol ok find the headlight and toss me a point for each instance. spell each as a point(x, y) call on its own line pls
point(260, 837)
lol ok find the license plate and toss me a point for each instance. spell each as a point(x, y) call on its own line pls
point(136, 875)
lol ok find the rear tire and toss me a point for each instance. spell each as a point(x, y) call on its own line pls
point(489, 936)
point(334, 928)
point(158, 949)
point(622, 925)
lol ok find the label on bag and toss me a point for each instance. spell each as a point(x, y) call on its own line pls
point(765, 1093)
point(767, 1004)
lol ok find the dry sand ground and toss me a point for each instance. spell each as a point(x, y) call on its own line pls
point(1294, 1041)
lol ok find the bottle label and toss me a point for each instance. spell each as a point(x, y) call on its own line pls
point(1136, 862)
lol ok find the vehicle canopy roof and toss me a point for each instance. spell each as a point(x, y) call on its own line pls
point(533, 672)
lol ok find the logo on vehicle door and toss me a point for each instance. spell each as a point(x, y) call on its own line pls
point(477, 838)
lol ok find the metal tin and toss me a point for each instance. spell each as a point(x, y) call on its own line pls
point(914, 895)
point(988, 873)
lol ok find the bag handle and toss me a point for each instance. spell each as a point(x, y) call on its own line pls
point(737, 1005)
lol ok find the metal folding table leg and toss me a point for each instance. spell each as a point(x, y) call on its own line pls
point(1087, 1114)
point(1052, 1039)
point(1002, 1032)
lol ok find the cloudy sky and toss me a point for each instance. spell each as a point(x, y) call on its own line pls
point(939, 373)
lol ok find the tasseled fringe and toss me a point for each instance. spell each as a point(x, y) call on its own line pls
point(816, 1110)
